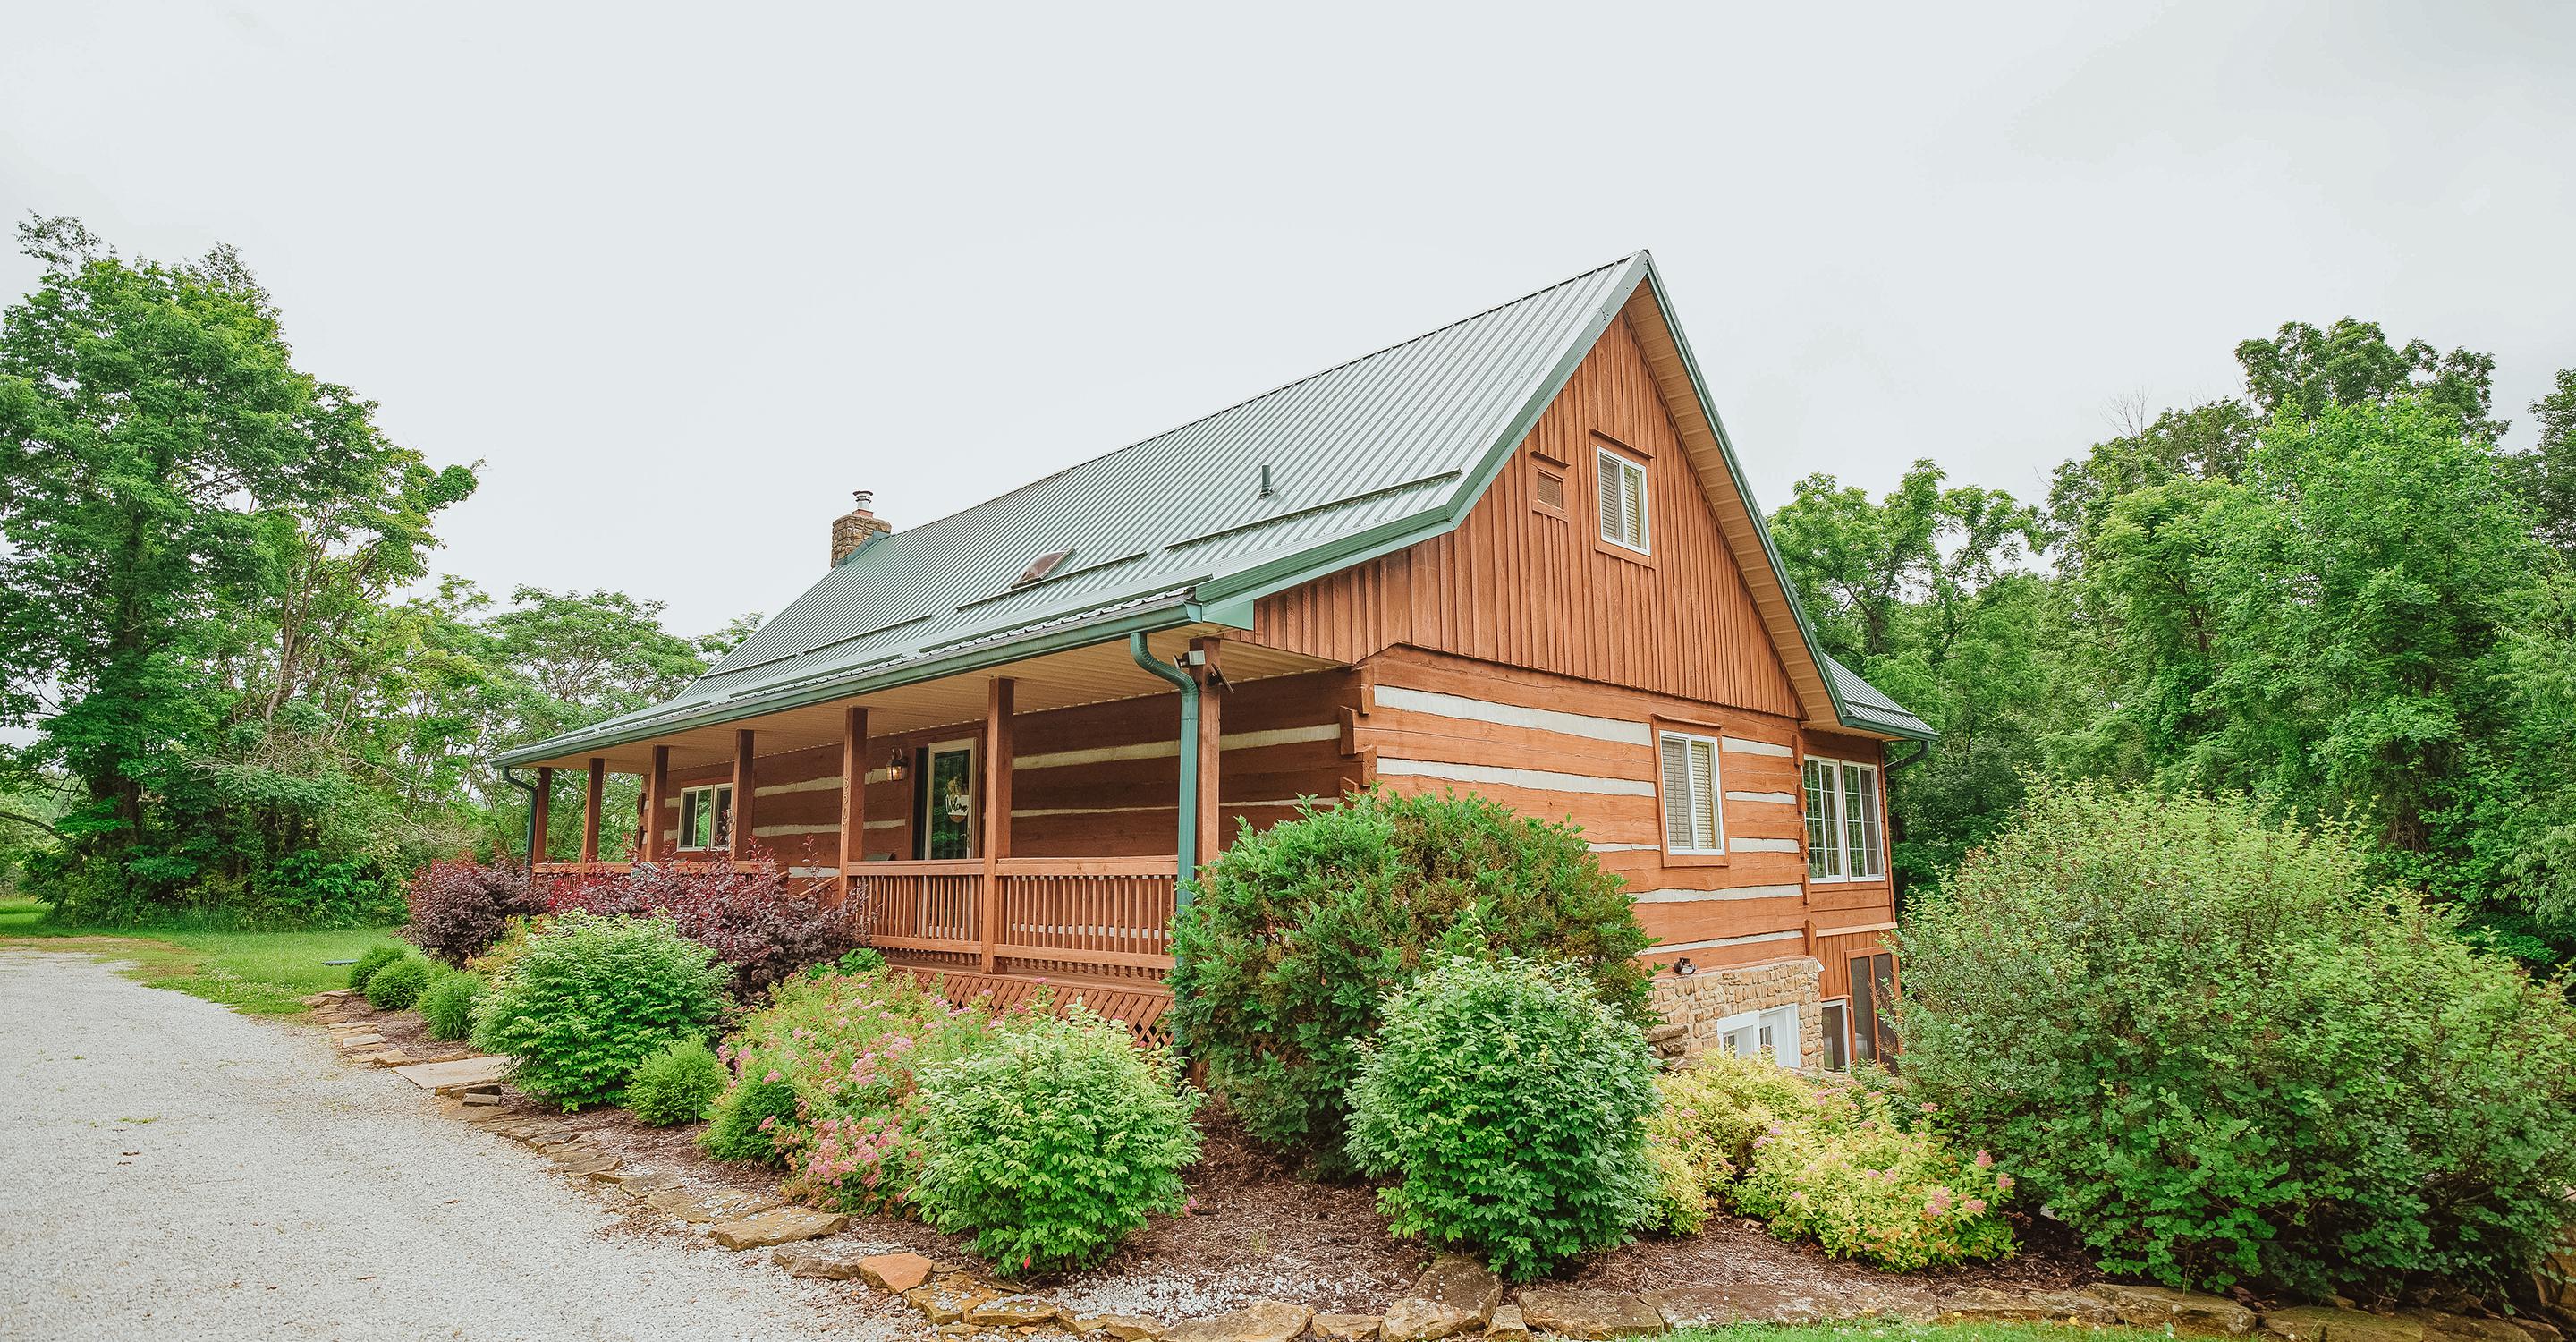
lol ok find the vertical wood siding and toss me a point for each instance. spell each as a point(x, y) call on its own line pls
point(1524, 586)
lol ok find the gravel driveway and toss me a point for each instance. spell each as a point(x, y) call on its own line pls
point(174, 1170)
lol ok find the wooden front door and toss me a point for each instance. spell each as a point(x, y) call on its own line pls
point(944, 805)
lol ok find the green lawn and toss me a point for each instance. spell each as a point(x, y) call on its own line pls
point(1891, 1330)
point(261, 973)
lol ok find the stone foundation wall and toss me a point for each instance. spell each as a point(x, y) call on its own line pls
point(1693, 1005)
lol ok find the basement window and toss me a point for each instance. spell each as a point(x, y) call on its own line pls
point(1042, 566)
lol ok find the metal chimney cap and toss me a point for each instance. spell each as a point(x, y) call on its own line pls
point(864, 497)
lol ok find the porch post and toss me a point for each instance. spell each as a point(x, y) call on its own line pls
point(997, 807)
point(591, 801)
point(738, 836)
point(537, 816)
point(1209, 747)
point(854, 793)
point(657, 788)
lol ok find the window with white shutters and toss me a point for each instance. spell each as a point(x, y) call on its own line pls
point(1691, 818)
point(1623, 501)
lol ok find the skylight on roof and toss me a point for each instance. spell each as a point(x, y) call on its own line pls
point(1042, 566)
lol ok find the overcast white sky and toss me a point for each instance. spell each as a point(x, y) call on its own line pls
point(682, 277)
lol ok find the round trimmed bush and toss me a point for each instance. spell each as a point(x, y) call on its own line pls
point(1513, 1103)
point(677, 1085)
point(447, 1005)
point(2218, 1052)
point(396, 986)
point(372, 959)
point(592, 998)
point(1299, 931)
point(748, 1120)
point(1055, 1143)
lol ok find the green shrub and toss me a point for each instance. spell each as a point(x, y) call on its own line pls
point(1842, 1171)
point(396, 986)
point(860, 960)
point(1513, 1103)
point(447, 1005)
point(2217, 1052)
point(1701, 1136)
point(1056, 1142)
point(677, 1085)
point(749, 1121)
point(1299, 931)
point(517, 933)
point(372, 959)
point(592, 998)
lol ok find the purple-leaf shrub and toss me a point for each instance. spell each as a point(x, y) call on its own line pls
point(458, 909)
point(746, 913)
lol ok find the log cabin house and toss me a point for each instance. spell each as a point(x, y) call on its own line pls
point(1514, 556)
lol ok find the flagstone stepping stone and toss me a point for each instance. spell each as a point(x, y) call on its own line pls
point(1015, 1311)
point(361, 1040)
point(638, 1182)
point(1460, 1282)
point(896, 1272)
point(455, 1075)
point(1415, 1319)
point(1260, 1321)
point(586, 1163)
point(1984, 1302)
point(706, 1207)
point(1125, 1327)
point(776, 1226)
point(1346, 1327)
point(1575, 1311)
point(804, 1262)
point(2187, 1311)
point(947, 1299)
point(388, 1057)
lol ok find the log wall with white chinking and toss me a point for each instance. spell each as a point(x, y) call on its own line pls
point(1099, 780)
point(1572, 750)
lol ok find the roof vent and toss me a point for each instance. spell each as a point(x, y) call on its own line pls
point(1042, 566)
point(857, 527)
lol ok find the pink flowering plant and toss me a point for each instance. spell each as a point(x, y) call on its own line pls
point(851, 1049)
point(1700, 1140)
point(1864, 1181)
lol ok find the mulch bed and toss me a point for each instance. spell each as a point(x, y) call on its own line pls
point(1261, 1231)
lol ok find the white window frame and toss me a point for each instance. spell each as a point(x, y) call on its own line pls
point(689, 812)
point(1627, 465)
point(1826, 1010)
point(1740, 1035)
point(1841, 860)
point(1715, 802)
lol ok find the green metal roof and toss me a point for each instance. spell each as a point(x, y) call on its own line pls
point(1361, 459)
point(1864, 706)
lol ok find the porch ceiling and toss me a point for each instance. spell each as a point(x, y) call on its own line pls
point(1084, 675)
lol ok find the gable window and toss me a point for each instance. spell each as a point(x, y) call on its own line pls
point(1845, 838)
point(1692, 820)
point(1623, 501)
point(706, 816)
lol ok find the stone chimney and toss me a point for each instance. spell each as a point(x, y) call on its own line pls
point(856, 527)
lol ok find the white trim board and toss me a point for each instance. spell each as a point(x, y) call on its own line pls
point(1513, 715)
point(1539, 780)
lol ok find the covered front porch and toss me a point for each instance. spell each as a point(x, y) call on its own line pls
point(1006, 830)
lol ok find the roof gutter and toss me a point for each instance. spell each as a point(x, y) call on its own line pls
point(1180, 609)
point(531, 789)
point(1186, 847)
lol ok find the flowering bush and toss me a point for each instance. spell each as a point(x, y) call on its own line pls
point(592, 998)
point(1847, 1174)
point(399, 984)
point(458, 909)
point(1513, 1103)
point(747, 915)
point(1701, 1138)
point(677, 1085)
point(447, 1006)
point(1055, 1141)
point(830, 1079)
